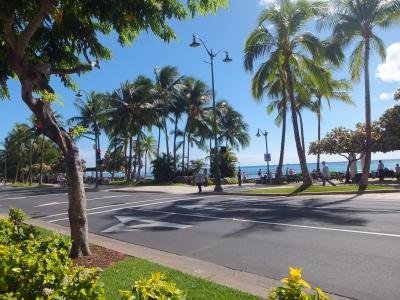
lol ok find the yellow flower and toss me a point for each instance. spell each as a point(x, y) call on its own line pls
point(295, 274)
point(321, 294)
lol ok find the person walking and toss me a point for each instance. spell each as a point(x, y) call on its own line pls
point(397, 172)
point(259, 173)
point(239, 177)
point(326, 176)
point(199, 180)
point(381, 171)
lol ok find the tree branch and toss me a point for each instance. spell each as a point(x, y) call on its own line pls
point(44, 9)
point(7, 30)
point(78, 69)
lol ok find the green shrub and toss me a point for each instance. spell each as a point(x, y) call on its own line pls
point(158, 287)
point(32, 267)
point(16, 215)
point(295, 289)
point(164, 169)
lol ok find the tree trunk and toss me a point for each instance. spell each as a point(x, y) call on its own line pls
point(300, 152)
point(41, 161)
point(145, 164)
point(166, 135)
point(138, 157)
point(368, 140)
point(16, 172)
point(283, 139)
point(302, 132)
point(319, 131)
point(126, 141)
point(175, 131)
point(30, 161)
point(100, 166)
point(188, 153)
point(159, 141)
point(130, 157)
point(183, 150)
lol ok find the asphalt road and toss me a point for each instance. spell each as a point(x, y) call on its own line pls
point(347, 245)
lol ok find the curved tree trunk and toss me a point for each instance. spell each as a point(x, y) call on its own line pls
point(319, 131)
point(283, 139)
point(368, 140)
point(166, 135)
point(303, 146)
point(293, 105)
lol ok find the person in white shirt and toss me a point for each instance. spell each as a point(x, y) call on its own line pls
point(326, 176)
point(199, 180)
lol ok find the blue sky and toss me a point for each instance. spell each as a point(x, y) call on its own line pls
point(227, 30)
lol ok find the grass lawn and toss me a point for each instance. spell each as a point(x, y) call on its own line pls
point(122, 275)
point(34, 185)
point(318, 189)
point(144, 183)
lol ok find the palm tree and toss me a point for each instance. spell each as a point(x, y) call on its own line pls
point(134, 104)
point(356, 20)
point(167, 83)
point(149, 150)
point(232, 128)
point(330, 89)
point(89, 116)
point(196, 95)
point(17, 143)
point(289, 50)
point(178, 108)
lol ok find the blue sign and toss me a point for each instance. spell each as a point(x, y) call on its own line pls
point(267, 157)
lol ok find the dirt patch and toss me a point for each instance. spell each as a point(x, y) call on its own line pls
point(101, 257)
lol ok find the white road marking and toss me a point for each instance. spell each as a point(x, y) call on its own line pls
point(278, 224)
point(146, 223)
point(32, 196)
point(121, 208)
point(91, 199)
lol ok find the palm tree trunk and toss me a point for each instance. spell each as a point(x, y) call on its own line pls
point(145, 164)
point(283, 139)
point(183, 150)
point(100, 166)
point(319, 131)
point(130, 158)
point(41, 160)
point(159, 141)
point(30, 161)
point(166, 135)
point(16, 172)
point(188, 153)
point(138, 157)
point(302, 132)
point(368, 140)
point(302, 159)
point(126, 156)
point(175, 131)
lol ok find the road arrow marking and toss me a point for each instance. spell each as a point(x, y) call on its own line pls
point(126, 226)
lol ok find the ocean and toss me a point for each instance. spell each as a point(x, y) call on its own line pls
point(333, 167)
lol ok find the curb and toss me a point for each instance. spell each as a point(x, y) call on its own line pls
point(247, 282)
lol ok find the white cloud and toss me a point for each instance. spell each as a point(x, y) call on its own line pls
point(386, 96)
point(389, 71)
point(266, 3)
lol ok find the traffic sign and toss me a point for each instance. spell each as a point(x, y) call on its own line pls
point(267, 157)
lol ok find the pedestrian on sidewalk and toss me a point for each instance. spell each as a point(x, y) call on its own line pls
point(199, 180)
point(397, 172)
point(326, 176)
point(239, 177)
point(381, 171)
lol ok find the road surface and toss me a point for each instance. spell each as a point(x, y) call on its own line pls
point(348, 245)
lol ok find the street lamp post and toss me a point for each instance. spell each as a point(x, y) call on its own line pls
point(267, 158)
point(227, 59)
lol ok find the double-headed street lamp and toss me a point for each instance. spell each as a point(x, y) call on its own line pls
point(227, 59)
point(267, 156)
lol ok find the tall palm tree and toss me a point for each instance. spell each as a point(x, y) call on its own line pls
point(178, 108)
point(90, 111)
point(356, 21)
point(232, 128)
point(18, 144)
point(289, 49)
point(168, 81)
point(330, 89)
point(134, 104)
point(196, 94)
point(149, 150)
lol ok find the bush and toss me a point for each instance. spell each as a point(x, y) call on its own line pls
point(157, 287)
point(33, 267)
point(163, 168)
point(16, 215)
point(227, 164)
point(295, 289)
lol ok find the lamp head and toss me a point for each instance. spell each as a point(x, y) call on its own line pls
point(258, 133)
point(194, 43)
point(227, 59)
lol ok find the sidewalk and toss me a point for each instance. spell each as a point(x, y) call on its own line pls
point(246, 282)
